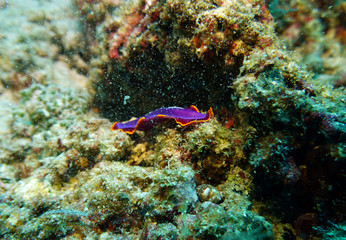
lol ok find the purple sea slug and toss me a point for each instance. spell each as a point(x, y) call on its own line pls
point(183, 116)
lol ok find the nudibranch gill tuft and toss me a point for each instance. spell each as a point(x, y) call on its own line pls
point(183, 116)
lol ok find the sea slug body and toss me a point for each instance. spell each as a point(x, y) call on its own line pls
point(183, 116)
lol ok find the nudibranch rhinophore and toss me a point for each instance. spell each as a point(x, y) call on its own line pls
point(183, 116)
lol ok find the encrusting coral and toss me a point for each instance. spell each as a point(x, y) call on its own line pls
point(225, 54)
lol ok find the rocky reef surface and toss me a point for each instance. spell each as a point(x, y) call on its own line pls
point(269, 165)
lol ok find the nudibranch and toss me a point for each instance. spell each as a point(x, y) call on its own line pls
point(183, 116)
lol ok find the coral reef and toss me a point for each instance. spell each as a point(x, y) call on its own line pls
point(228, 56)
point(70, 179)
point(182, 52)
point(40, 43)
point(269, 165)
point(317, 37)
point(74, 151)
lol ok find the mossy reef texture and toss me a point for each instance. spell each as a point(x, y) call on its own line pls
point(270, 165)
